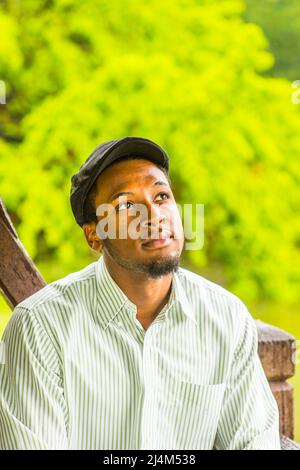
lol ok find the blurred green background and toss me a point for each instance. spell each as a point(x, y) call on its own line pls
point(209, 80)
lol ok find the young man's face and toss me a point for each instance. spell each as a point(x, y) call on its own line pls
point(151, 240)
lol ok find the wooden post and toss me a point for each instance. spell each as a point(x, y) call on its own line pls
point(19, 277)
point(277, 350)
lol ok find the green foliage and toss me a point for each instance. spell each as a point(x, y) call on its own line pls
point(280, 21)
point(187, 74)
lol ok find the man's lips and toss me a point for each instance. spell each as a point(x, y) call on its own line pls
point(162, 241)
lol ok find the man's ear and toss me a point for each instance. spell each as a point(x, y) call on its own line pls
point(91, 236)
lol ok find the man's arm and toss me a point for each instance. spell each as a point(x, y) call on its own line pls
point(249, 417)
point(33, 411)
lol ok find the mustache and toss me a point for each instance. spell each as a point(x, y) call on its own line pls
point(158, 231)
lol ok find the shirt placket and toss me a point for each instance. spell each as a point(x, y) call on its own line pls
point(150, 416)
point(148, 412)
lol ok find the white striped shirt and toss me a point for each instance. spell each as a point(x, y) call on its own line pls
point(80, 371)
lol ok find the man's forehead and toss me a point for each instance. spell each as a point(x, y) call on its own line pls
point(139, 175)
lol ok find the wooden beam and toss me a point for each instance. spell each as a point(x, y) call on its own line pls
point(19, 277)
point(276, 349)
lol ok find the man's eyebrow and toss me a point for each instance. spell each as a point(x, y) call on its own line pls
point(160, 183)
point(122, 193)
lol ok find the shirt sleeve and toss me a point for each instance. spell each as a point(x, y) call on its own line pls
point(33, 412)
point(249, 417)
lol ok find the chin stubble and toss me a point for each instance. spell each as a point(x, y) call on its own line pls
point(154, 269)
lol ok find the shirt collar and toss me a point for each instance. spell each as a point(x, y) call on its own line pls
point(112, 299)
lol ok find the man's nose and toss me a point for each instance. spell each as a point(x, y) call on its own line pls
point(155, 218)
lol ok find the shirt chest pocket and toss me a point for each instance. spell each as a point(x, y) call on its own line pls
point(189, 415)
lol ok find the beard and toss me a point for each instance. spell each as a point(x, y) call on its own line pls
point(153, 269)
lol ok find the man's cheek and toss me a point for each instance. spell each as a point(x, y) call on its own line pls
point(178, 228)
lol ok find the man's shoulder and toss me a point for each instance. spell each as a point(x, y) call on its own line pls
point(59, 290)
point(206, 288)
point(219, 306)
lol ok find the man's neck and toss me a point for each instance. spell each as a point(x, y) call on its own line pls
point(148, 294)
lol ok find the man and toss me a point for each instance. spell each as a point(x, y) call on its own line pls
point(133, 351)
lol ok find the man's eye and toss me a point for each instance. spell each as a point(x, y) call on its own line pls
point(163, 196)
point(124, 205)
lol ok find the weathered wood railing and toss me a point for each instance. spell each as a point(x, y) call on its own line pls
point(277, 352)
point(19, 278)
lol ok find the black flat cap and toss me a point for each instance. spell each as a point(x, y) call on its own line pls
point(103, 156)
